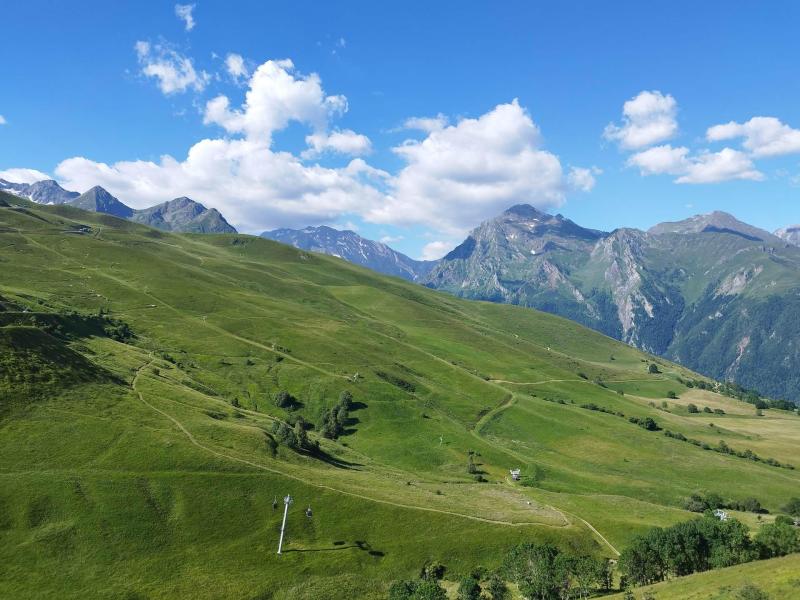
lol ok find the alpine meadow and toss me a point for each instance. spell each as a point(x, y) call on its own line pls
point(425, 301)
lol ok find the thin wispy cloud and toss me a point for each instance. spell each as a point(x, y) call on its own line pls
point(185, 12)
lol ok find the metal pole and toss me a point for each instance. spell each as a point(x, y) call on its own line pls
point(286, 502)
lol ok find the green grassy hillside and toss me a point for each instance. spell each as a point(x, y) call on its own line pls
point(779, 578)
point(137, 453)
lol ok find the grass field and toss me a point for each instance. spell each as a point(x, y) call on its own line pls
point(779, 577)
point(141, 467)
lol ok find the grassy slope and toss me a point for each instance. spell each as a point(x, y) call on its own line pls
point(144, 479)
point(779, 577)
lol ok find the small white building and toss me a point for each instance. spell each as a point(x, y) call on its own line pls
point(515, 473)
point(721, 514)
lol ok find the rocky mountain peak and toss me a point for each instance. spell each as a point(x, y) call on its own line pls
point(790, 234)
point(714, 222)
point(352, 247)
point(99, 199)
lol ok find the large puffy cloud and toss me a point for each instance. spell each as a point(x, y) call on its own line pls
point(174, 72)
point(253, 186)
point(660, 160)
point(763, 136)
point(277, 95)
point(725, 165)
point(706, 167)
point(23, 175)
point(648, 118)
point(454, 177)
point(463, 173)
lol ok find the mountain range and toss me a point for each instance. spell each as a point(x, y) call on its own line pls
point(181, 215)
point(41, 192)
point(711, 292)
point(352, 247)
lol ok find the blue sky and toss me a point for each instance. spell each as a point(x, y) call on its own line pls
point(513, 101)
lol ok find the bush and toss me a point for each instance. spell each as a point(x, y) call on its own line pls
point(778, 539)
point(792, 507)
point(672, 395)
point(653, 369)
point(283, 399)
point(332, 421)
point(751, 592)
point(469, 589)
point(692, 409)
point(497, 588)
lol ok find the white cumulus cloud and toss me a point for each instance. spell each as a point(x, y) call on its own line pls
point(706, 167)
point(23, 175)
point(648, 118)
point(253, 185)
point(343, 141)
point(277, 95)
point(454, 177)
point(763, 136)
point(464, 173)
point(174, 72)
point(725, 165)
point(661, 160)
point(184, 13)
point(3, 120)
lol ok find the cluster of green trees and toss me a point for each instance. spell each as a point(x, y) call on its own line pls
point(700, 545)
point(543, 572)
point(284, 399)
point(692, 409)
point(295, 437)
point(602, 409)
point(332, 421)
point(473, 587)
point(792, 507)
point(396, 381)
point(479, 585)
point(705, 502)
point(647, 423)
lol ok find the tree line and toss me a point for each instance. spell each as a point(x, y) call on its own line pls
point(540, 571)
point(703, 544)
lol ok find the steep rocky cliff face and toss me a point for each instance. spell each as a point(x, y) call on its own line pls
point(717, 294)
